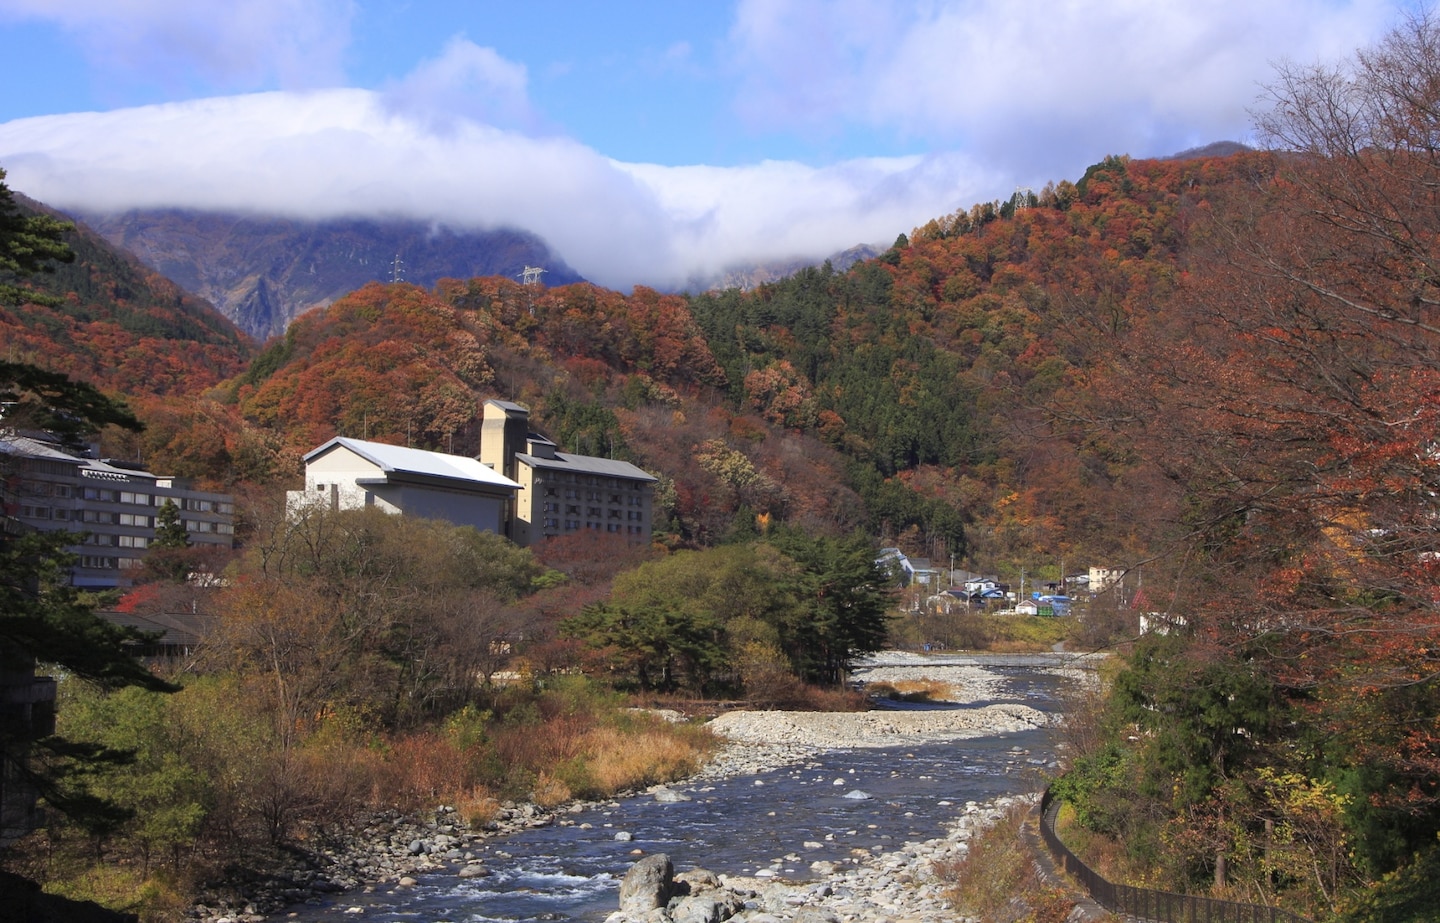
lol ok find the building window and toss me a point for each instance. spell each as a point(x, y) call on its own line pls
point(552, 523)
point(593, 511)
point(135, 519)
point(133, 541)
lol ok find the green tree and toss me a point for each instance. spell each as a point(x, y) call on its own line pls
point(845, 596)
point(170, 531)
point(38, 399)
point(166, 796)
point(28, 244)
point(171, 558)
point(42, 617)
point(673, 623)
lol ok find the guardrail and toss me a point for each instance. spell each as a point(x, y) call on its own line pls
point(1147, 904)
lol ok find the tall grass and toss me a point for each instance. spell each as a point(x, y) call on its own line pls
point(996, 881)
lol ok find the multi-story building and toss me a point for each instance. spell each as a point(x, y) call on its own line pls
point(561, 493)
point(521, 486)
point(114, 504)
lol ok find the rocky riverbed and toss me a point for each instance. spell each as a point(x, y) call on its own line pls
point(897, 885)
point(390, 850)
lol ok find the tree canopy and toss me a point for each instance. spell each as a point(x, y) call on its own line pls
point(28, 244)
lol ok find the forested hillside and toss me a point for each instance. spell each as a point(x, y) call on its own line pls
point(957, 361)
point(120, 326)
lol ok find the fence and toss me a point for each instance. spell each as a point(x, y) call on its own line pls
point(1145, 904)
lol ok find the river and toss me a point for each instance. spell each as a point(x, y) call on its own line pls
point(836, 806)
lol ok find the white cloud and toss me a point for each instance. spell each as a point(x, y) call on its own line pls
point(469, 82)
point(1032, 84)
point(244, 45)
point(1005, 91)
point(349, 152)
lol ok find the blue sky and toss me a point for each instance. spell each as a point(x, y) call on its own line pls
point(656, 142)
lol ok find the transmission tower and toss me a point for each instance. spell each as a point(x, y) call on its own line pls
point(531, 275)
point(397, 270)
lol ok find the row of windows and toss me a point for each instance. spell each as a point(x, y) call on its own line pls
point(223, 528)
point(106, 517)
point(573, 525)
point(605, 483)
point(42, 512)
point(193, 504)
point(118, 541)
point(594, 512)
point(99, 562)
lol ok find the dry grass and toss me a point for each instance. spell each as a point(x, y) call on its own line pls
point(550, 791)
point(996, 882)
point(153, 899)
point(912, 691)
point(477, 807)
point(619, 761)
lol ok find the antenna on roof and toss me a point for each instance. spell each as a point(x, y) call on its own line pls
point(531, 275)
point(397, 270)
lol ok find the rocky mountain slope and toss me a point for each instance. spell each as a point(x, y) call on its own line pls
point(264, 271)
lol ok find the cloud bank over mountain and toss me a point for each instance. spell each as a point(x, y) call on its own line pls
point(978, 97)
point(332, 153)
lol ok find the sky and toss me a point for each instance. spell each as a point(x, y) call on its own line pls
point(653, 143)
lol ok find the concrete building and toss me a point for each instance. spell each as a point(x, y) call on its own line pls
point(49, 489)
point(348, 474)
point(562, 493)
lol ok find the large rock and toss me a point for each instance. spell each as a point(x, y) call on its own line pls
point(648, 885)
point(705, 908)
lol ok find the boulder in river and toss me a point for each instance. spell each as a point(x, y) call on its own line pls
point(648, 885)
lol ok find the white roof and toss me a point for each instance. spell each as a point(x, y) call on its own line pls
point(12, 444)
point(394, 459)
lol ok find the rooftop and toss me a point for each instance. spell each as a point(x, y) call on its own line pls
point(394, 459)
point(587, 464)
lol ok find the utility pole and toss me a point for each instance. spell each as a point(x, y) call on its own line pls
point(397, 270)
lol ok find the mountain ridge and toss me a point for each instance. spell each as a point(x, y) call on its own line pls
point(263, 271)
